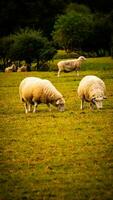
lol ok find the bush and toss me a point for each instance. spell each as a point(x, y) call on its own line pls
point(5, 45)
point(72, 29)
point(30, 45)
point(61, 54)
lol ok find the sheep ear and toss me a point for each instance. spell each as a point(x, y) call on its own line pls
point(104, 97)
point(57, 102)
point(93, 100)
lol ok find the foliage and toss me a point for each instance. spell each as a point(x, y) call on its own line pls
point(72, 29)
point(112, 47)
point(88, 32)
point(80, 8)
point(29, 45)
point(102, 30)
point(62, 54)
point(5, 45)
point(53, 155)
point(41, 14)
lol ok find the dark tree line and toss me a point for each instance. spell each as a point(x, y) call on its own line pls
point(41, 14)
point(26, 45)
point(103, 6)
point(29, 13)
point(47, 16)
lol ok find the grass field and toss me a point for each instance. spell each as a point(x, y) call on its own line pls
point(57, 155)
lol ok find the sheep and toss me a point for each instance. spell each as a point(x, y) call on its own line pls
point(92, 89)
point(70, 65)
point(12, 68)
point(22, 69)
point(34, 91)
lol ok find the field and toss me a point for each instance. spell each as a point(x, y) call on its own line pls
point(57, 155)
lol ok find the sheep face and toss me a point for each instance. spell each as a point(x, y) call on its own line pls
point(98, 101)
point(60, 104)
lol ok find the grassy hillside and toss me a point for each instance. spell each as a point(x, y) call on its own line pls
point(54, 155)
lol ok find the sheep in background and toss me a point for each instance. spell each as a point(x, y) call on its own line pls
point(22, 69)
point(92, 89)
point(70, 65)
point(12, 68)
point(34, 91)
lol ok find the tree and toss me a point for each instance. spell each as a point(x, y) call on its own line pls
point(112, 46)
point(72, 29)
point(41, 14)
point(102, 6)
point(30, 45)
point(29, 13)
point(102, 33)
point(80, 8)
point(5, 45)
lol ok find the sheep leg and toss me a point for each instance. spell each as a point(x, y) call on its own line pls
point(59, 72)
point(25, 106)
point(77, 73)
point(35, 107)
point(29, 107)
point(91, 106)
point(48, 104)
point(82, 104)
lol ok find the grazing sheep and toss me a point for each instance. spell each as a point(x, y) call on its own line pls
point(22, 69)
point(12, 68)
point(70, 65)
point(34, 91)
point(92, 89)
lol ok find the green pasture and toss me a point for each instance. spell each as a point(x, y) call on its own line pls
point(57, 155)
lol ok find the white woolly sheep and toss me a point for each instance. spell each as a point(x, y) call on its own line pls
point(12, 68)
point(22, 69)
point(34, 91)
point(92, 89)
point(70, 65)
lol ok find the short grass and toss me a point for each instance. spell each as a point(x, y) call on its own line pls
point(54, 155)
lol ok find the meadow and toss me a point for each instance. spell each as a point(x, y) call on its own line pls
point(57, 155)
